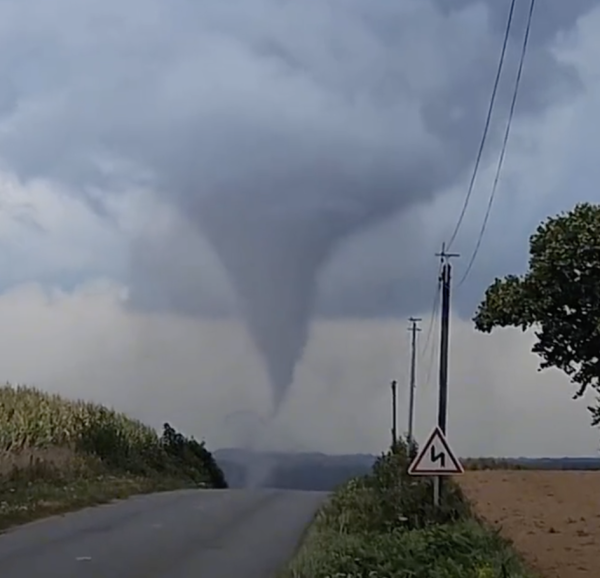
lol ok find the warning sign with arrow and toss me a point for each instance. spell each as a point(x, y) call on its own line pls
point(436, 458)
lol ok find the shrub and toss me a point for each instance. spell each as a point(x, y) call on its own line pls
point(384, 525)
point(388, 498)
point(460, 550)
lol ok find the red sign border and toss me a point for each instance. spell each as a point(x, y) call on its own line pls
point(437, 432)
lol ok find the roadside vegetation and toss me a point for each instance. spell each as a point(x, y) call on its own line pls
point(384, 525)
point(57, 455)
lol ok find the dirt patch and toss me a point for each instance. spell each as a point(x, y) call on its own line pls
point(553, 518)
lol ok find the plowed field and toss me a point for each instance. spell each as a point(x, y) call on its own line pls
point(553, 518)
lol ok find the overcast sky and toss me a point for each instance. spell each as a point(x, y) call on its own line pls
point(155, 155)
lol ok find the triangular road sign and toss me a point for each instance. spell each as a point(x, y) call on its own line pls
point(435, 458)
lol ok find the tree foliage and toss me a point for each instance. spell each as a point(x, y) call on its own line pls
point(559, 296)
point(192, 457)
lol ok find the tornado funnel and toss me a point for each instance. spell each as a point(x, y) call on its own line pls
point(273, 260)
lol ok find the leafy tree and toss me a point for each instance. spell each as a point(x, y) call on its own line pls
point(559, 296)
point(192, 457)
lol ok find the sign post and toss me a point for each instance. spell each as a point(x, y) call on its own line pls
point(437, 459)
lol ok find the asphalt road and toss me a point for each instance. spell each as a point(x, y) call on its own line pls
point(185, 534)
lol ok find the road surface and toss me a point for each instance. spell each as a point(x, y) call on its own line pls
point(185, 534)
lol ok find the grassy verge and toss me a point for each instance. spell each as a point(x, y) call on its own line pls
point(58, 455)
point(21, 504)
point(384, 526)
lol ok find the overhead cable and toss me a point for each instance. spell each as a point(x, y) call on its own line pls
point(504, 144)
point(486, 126)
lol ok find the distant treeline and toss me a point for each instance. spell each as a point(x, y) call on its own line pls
point(302, 471)
point(531, 463)
point(559, 463)
point(321, 472)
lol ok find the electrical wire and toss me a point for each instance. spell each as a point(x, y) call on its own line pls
point(434, 350)
point(433, 318)
point(504, 145)
point(486, 126)
point(434, 309)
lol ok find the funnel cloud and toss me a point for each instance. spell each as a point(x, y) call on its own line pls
point(275, 131)
point(274, 253)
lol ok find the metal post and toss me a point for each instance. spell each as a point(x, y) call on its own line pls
point(436, 490)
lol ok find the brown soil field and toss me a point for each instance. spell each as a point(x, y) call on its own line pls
point(553, 518)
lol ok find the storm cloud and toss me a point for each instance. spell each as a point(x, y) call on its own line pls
point(273, 131)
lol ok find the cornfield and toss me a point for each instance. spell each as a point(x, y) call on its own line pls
point(33, 422)
point(32, 418)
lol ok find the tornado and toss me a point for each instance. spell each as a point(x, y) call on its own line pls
point(273, 257)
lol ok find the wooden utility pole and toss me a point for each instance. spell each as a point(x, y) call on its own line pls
point(394, 415)
point(445, 279)
point(413, 378)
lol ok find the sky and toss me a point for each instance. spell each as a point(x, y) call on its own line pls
point(200, 198)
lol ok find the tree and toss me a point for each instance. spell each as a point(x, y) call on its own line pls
point(559, 296)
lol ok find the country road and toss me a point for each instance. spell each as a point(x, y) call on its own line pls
point(185, 534)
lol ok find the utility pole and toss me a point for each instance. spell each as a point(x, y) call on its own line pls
point(394, 415)
point(445, 279)
point(413, 379)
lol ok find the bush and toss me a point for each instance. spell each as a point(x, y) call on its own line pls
point(384, 525)
point(389, 499)
point(460, 550)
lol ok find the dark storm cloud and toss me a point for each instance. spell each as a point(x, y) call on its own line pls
point(277, 129)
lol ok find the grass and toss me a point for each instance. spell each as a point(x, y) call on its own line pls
point(385, 526)
point(58, 455)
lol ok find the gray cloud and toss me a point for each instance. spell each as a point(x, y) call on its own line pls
point(276, 130)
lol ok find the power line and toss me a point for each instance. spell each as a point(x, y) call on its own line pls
point(504, 144)
point(432, 331)
point(432, 316)
point(486, 126)
point(433, 353)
